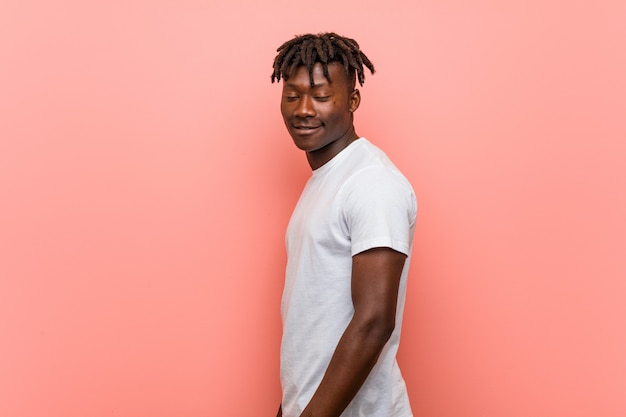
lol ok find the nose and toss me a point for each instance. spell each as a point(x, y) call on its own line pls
point(305, 107)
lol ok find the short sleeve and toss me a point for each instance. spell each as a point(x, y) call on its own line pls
point(379, 210)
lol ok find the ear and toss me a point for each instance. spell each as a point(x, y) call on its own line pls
point(355, 100)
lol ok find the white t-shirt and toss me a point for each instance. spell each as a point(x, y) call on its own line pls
point(356, 201)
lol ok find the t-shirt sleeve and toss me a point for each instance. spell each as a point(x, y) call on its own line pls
point(379, 210)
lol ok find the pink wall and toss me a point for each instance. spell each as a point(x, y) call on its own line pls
point(146, 181)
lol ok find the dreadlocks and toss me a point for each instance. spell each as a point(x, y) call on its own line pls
point(324, 48)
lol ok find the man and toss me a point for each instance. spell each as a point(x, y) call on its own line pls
point(348, 243)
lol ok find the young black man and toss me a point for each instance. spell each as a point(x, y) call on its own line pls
point(349, 244)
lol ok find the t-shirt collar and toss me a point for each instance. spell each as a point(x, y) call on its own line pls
point(336, 160)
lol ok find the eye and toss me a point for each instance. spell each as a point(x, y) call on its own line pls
point(322, 98)
point(291, 97)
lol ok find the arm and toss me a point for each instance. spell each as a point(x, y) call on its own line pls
point(375, 282)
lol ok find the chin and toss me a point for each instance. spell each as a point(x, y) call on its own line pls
point(305, 144)
point(304, 147)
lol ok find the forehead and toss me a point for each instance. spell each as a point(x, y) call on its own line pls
point(299, 77)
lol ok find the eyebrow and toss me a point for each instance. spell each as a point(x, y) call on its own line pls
point(314, 85)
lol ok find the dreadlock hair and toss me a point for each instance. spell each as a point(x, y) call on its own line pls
point(324, 48)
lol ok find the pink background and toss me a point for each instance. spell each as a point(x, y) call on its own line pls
point(146, 180)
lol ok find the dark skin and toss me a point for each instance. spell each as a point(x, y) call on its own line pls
point(320, 121)
point(319, 118)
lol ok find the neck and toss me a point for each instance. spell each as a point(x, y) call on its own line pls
point(321, 156)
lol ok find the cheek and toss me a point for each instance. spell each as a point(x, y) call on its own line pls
point(339, 113)
point(284, 109)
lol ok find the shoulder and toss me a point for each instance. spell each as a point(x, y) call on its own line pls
point(375, 174)
point(380, 186)
point(371, 176)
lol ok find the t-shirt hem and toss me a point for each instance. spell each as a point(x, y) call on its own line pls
point(398, 246)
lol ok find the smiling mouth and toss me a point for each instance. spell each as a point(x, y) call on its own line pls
point(305, 128)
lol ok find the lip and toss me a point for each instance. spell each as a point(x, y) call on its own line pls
point(304, 129)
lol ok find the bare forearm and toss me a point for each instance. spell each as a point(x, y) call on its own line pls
point(353, 359)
